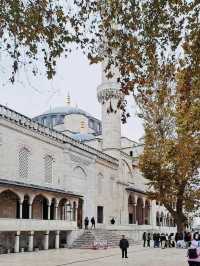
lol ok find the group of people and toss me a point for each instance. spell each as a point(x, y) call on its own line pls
point(192, 242)
point(159, 240)
point(86, 222)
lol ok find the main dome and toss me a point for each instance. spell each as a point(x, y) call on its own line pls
point(66, 110)
point(69, 118)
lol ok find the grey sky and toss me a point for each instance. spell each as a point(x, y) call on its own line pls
point(32, 96)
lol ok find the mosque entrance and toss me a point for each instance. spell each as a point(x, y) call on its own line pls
point(99, 214)
point(80, 214)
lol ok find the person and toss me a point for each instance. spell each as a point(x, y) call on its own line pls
point(162, 240)
point(167, 240)
point(124, 245)
point(176, 238)
point(86, 222)
point(144, 238)
point(154, 240)
point(158, 240)
point(171, 240)
point(187, 239)
point(112, 221)
point(92, 222)
point(193, 252)
point(148, 240)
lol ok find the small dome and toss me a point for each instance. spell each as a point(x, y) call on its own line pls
point(83, 137)
point(66, 110)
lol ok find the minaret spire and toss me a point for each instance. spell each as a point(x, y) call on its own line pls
point(68, 100)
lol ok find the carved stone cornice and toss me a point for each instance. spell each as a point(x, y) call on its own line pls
point(24, 122)
point(80, 159)
point(108, 91)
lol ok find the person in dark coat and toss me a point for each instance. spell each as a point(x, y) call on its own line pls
point(92, 222)
point(112, 221)
point(154, 240)
point(148, 240)
point(144, 238)
point(86, 222)
point(124, 245)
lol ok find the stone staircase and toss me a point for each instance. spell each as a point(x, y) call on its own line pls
point(87, 239)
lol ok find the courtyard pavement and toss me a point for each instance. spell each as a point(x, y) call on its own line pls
point(137, 256)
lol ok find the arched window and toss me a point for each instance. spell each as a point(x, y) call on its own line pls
point(48, 166)
point(24, 155)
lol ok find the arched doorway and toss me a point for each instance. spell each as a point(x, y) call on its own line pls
point(52, 209)
point(25, 207)
point(40, 208)
point(80, 214)
point(139, 211)
point(9, 205)
point(157, 219)
point(131, 211)
point(147, 212)
point(74, 211)
point(162, 219)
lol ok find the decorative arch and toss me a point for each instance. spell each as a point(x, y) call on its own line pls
point(20, 196)
point(128, 168)
point(40, 206)
point(64, 209)
point(80, 172)
point(139, 211)
point(9, 204)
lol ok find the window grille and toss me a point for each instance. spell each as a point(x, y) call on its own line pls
point(24, 155)
point(48, 164)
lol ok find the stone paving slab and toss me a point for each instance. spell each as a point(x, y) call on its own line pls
point(137, 256)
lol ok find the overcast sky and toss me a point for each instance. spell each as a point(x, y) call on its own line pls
point(32, 96)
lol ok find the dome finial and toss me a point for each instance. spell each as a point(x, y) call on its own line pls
point(68, 99)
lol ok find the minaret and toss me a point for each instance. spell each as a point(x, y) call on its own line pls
point(109, 95)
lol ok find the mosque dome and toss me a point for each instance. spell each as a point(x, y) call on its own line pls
point(56, 118)
point(83, 137)
point(66, 110)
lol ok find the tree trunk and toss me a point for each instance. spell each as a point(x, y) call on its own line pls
point(180, 226)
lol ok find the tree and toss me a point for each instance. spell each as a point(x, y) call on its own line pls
point(171, 156)
point(156, 47)
point(35, 30)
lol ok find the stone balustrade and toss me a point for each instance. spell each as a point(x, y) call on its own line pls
point(7, 224)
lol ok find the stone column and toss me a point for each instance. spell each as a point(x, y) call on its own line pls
point(49, 211)
point(20, 209)
point(63, 212)
point(134, 212)
point(46, 240)
point(150, 215)
point(143, 214)
point(76, 213)
point(30, 241)
point(30, 211)
point(17, 236)
point(57, 240)
point(56, 212)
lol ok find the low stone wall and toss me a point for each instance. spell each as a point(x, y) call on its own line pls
point(136, 233)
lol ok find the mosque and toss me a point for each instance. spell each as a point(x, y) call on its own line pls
point(65, 164)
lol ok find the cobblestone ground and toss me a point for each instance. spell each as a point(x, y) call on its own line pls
point(137, 256)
